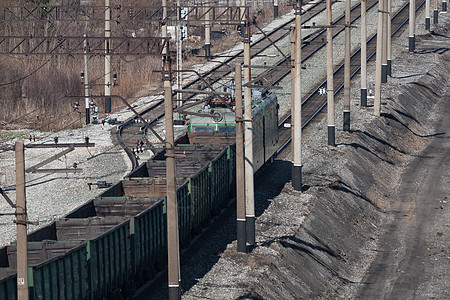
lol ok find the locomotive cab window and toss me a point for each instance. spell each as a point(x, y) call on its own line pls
point(227, 129)
point(203, 128)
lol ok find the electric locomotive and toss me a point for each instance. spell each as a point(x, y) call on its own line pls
point(215, 124)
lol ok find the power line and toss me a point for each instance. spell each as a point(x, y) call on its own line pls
point(25, 77)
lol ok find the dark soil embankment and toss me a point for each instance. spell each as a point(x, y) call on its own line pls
point(318, 244)
point(352, 188)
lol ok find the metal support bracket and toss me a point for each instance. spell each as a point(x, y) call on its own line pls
point(34, 168)
point(26, 222)
point(71, 147)
point(7, 198)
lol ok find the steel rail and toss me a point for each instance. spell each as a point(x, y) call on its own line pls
point(272, 72)
point(158, 105)
point(355, 56)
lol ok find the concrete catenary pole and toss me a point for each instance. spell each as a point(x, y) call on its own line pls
point(179, 55)
point(207, 29)
point(346, 119)
point(165, 50)
point(275, 9)
point(107, 58)
point(86, 81)
point(363, 54)
point(330, 84)
point(293, 70)
point(377, 96)
point(389, 38)
point(21, 221)
point(297, 113)
point(412, 25)
point(249, 184)
point(384, 45)
point(427, 15)
point(240, 174)
point(435, 12)
point(172, 205)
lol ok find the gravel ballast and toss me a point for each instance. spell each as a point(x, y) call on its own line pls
point(319, 243)
point(312, 244)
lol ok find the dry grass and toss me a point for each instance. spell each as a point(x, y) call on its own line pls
point(39, 92)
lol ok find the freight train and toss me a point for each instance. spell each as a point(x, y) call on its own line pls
point(114, 243)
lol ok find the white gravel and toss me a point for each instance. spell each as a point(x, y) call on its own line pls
point(50, 196)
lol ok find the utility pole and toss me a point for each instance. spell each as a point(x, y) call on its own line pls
point(347, 87)
point(363, 54)
point(293, 94)
point(249, 184)
point(384, 51)
point(389, 38)
point(435, 12)
point(240, 174)
point(172, 206)
point(377, 96)
point(275, 9)
point(207, 30)
point(297, 113)
point(179, 55)
point(107, 58)
point(330, 79)
point(427, 15)
point(21, 221)
point(164, 27)
point(86, 81)
point(412, 25)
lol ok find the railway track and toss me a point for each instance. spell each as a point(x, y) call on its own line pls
point(116, 242)
point(133, 135)
point(314, 103)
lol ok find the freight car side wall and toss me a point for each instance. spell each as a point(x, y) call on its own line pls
point(115, 263)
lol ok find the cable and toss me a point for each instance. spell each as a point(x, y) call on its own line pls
point(25, 77)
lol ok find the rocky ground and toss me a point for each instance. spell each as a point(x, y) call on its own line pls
point(50, 196)
point(324, 242)
point(331, 240)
